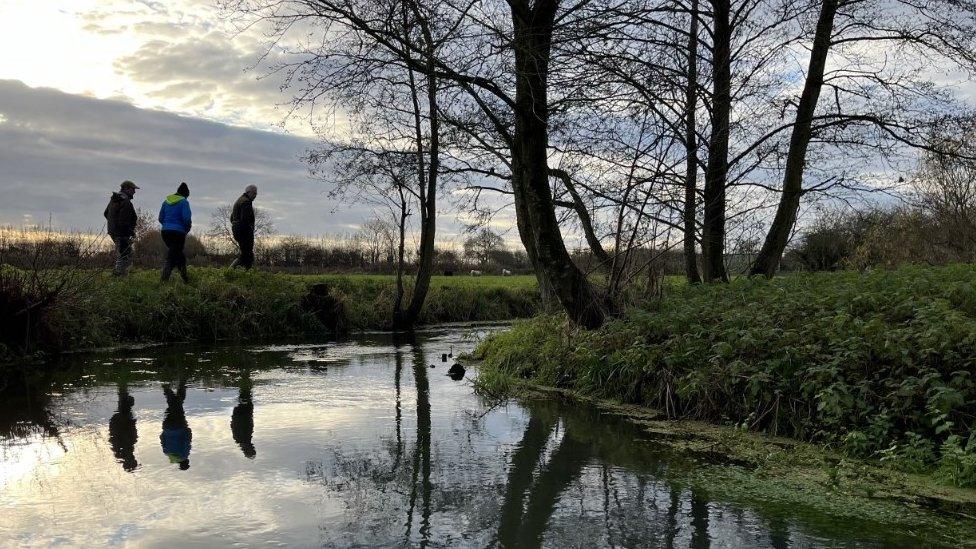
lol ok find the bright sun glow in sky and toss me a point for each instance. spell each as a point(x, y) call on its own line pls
point(180, 56)
point(51, 48)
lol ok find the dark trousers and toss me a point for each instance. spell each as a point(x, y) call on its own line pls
point(245, 241)
point(123, 253)
point(175, 259)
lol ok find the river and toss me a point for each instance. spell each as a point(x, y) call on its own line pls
point(362, 442)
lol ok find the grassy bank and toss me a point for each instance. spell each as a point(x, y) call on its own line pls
point(97, 309)
point(875, 365)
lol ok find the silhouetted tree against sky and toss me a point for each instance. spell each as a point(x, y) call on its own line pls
point(601, 117)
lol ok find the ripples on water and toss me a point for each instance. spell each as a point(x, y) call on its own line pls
point(354, 443)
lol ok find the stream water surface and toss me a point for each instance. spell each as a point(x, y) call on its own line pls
point(353, 443)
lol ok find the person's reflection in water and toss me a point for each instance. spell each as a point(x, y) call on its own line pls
point(176, 435)
point(122, 433)
point(242, 418)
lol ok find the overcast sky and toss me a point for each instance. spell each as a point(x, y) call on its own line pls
point(93, 92)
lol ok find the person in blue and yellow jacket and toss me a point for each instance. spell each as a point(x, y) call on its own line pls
point(175, 220)
point(176, 438)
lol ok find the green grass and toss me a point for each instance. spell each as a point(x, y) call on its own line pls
point(222, 304)
point(880, 364)
point(526, 282)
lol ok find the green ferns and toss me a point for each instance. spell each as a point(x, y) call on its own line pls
point(881, 364)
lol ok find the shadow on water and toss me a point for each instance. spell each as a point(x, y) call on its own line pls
point(363, 444)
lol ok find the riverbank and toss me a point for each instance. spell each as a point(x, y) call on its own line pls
point(877, 365)
point(96, 310)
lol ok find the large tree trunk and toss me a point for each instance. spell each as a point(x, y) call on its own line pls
point(538, 226)
point(717, 171)
point(427, 170)
point(691, 151)
point(789, 204)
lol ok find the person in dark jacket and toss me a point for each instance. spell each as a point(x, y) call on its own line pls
point(120, 217)
point(175, 222)
point(242, 417)
point(122, 433)
point(242, 226)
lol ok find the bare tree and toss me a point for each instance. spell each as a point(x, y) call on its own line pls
point(482, 245)
point(220, 229)
point(944, 187)
point(918, 32)
point(379, 239)
point(474, 40)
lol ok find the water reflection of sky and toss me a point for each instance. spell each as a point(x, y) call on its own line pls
point(370, 447)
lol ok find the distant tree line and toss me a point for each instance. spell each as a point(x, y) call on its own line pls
point(370, 250)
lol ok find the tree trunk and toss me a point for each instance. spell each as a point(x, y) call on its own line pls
point(537, 221)
point(428, 195)
point(717, 171)
point(426, 176)
point(691, 150)
point(586, 221)
point(767, 262)
point(402, 234)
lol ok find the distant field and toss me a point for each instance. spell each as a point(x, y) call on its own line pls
point(491, 281)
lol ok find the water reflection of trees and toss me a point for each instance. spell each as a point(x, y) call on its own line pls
point(573, 476)
point(25, 407)
point(421, 453)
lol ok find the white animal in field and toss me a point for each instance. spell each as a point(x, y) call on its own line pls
point(475, 273)
point(506, 272)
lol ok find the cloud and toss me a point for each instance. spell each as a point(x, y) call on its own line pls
point(62, 154)
point(208, 75)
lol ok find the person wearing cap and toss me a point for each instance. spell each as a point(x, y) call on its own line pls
point(175, 220)
point(242, 227)
point(120, 217)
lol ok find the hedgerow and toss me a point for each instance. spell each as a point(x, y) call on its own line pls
point(224, 304)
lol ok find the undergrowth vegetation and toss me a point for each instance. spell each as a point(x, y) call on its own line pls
point(222, 304)
point(879, 364)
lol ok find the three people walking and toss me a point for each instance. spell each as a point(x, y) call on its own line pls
point(175, 220)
